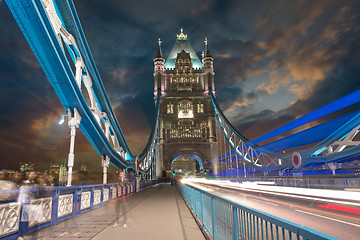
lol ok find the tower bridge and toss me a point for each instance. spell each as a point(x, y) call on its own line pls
point(188, 119)
point(191, 135)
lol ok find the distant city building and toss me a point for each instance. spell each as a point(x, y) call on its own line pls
point(62, 175)
point(54, 168)
point(26, 167)
point(59, 171)
point(187, 131)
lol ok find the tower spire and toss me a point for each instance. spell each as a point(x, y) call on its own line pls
point(206, 43)
point(159, 52)
point(206, 52)
point(158, 68)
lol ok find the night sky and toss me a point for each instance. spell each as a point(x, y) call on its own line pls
point(274, 61)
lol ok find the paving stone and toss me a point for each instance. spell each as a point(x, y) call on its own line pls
point(154, 213)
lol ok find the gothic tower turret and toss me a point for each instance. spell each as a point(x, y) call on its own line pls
point(159, 70)
point(208, 69)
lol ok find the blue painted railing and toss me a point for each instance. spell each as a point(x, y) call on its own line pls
point(57, 204)
point(224, 219)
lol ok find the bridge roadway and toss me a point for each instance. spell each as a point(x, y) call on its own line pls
point(306, 212)
point(158, 212)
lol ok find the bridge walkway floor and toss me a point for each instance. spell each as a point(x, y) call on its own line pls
point(158, 212)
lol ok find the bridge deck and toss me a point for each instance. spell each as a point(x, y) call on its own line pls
point(154, 213)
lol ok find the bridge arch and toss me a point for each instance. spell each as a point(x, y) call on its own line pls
point(188, 155)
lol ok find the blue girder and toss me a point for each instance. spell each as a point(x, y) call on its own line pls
point(73, 26)
point(36, 27)
point(322, 134)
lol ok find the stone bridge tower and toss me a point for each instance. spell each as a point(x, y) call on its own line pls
point(187, 131)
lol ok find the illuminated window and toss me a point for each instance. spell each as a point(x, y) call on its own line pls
point(200, 108)
point(170, 108)
point(185, 109)
point(197, 132)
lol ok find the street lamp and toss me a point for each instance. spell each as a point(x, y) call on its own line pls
point(62, 119)
point(74, 119)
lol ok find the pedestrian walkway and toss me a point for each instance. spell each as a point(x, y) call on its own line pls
point(158, 212)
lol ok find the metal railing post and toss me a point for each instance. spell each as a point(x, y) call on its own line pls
point(92, 192)
point(202, 207)
point(54, 209)
point(76, 202)
point(102, 194)
point(235, 224)
point(346, 183)
point(213, 217)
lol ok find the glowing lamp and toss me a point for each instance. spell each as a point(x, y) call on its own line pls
point(62, 119)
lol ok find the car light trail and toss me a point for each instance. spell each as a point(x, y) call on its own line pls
point(219, 183)
point(335, 196)
point(337, 220)
point(340, 208)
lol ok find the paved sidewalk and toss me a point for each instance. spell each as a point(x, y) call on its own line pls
point(155, 213)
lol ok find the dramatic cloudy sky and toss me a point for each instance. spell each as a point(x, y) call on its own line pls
point(274, 61)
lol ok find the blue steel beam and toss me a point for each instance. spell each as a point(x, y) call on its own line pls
point(227, 122)
point(311, 135)
point(153, 134)
point(323, 134)
point(33, 22)
point(72, 24)
point(321, 112)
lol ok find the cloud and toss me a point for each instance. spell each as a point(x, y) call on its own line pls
point(119, 75)
point(308, 49)
point(50, 134)
point(300, 58)
point(274, 81)
point(202, 9)
point(250, 73)
point(265, 19)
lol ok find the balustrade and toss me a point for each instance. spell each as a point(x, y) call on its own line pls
point(60, 203)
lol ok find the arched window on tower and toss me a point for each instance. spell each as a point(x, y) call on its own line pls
point(185, 109)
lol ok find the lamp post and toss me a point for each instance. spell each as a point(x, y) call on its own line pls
point(244, 170)
point(74, 119)
point(105, 164)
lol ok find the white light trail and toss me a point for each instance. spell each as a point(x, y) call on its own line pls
point(323, 195)
point(329, 218)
